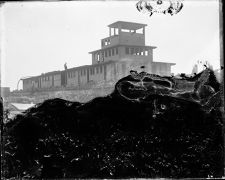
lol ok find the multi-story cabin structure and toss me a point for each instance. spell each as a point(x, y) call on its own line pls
point(123, 50)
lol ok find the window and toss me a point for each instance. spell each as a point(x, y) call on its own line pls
point(132, 51)
point(97, 70)
point(84, 72)
point(109, 52)
point(146, 53)
point(98, 57)
point(113, 52)
point(108, 41)
point(139, 31)
point(136, 51)
point(102, 57)
point(116, 31)
point(116, 50)
point(125, 30)
point(127, 50)
point(105, 53)
point(92, 71)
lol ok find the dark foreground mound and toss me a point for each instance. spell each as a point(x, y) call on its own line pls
point(150, 126)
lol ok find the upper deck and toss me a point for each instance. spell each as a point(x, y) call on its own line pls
point(126, 33)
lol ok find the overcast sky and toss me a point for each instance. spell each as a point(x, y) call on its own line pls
point(38, 37)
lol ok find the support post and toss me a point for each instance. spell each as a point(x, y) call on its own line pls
point(119, 30)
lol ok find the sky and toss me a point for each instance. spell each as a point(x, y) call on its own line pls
point(38, 37)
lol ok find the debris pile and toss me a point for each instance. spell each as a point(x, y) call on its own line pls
point(149, 127)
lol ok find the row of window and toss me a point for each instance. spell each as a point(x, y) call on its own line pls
point(136, 51)
point(71, 74)
point(106, 53)
point(83, 72)
point(93, 70)
point(138, 31)
point(114, 31)
point(105, 42)
point(97, 70)
point(46, 78)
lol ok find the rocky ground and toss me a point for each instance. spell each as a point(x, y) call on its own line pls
point(149, 127)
